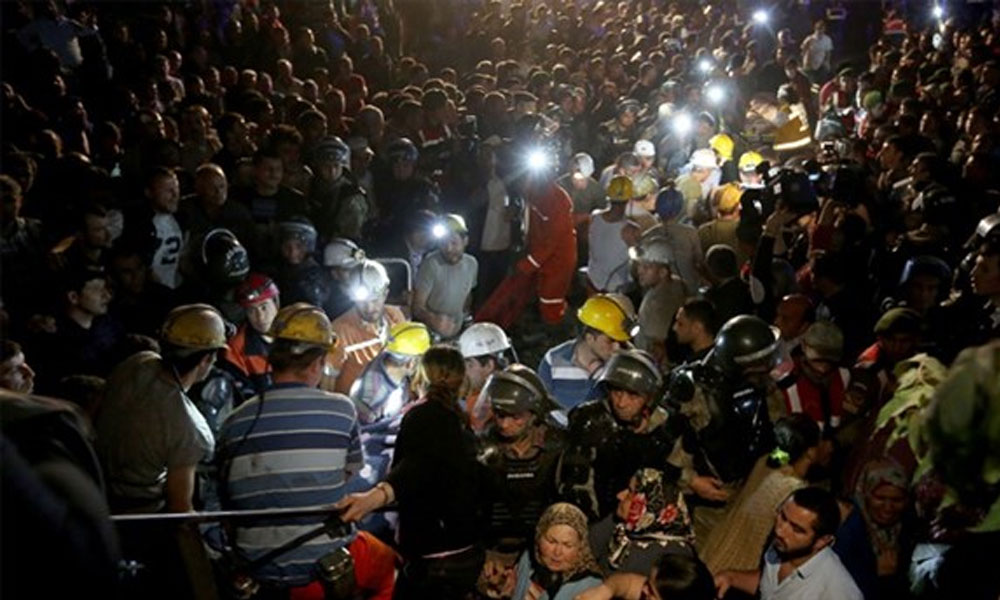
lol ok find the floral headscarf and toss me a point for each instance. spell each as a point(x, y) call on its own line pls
point(876, 473)
point(657, 515)
point(563, 513)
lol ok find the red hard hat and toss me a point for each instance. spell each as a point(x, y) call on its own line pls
point(256, 289)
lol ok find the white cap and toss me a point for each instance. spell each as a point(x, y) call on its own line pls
point(583, 164)
point(645, 149)
point(342, 253)
point(482, 339)
point(653, 250)
point(704, 158)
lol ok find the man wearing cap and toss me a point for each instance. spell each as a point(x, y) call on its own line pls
point(485, 348)
point(521, 448)
point(663, 294)
point(698, 182)
point(583, 190)
point(607, 266)
point(646, 152)
point(606, 322)
point(442, 292)
point(337, 204)
point(725, 203)
point(340, 256)
point(817, 385)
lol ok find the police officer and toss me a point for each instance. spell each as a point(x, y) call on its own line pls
point(337, 204)
point(521, 448)
point(401, 190)
point(216, 266)
point(613, 436)
point(619, 134)
point(298, 275)
point(724, 400)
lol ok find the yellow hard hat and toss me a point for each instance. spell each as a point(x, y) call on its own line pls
point(620, 189)
point(723, 145)
point(196, 327)
point(727, 197)
point(643, 184)
point(750, 160)
point(408, 339)
point(611, 314)
point(305, 324)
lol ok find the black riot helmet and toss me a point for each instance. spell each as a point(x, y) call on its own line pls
point(744, 341)
point(633, 370)
point(517, 389)
point(224, 258)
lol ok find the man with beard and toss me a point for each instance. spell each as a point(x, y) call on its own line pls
point(612, 437)
point(443, 288)
point(521, 449)
point(800, 562)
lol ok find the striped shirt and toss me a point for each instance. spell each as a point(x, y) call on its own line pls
point(294, 449)
point(570, 383)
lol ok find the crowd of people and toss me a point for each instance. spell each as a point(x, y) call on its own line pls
point(524, 299)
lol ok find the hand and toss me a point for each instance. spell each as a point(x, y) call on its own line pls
point(600, 592)
point(709, 488)
point(534, 592)
point(722, 584)
point(355, 506)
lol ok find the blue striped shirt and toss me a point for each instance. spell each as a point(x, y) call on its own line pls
point(296, 449)
point(570, 383)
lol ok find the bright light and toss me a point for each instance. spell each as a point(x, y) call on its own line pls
point(360, 293)
point(760, 16)
point(705, 65)
point(665, 109)
point(938, 11)
point(538, 160)
point(439, 230)
point(715, 94)
point(683, 124)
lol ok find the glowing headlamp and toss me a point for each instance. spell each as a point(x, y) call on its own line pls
point(439, 230)
point(538, 160)
point(760, 16)
point(682, 124)
point(938, 11)
point(715, 93)
point(360, 293)
point(705, 66)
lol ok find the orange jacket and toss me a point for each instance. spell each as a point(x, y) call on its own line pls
point(551, 231)
point(345, 366)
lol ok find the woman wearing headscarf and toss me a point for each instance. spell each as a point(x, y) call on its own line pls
point(560, 565)
point(651, 520)
point(435, 479)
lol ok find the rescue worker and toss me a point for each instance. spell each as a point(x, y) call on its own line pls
point(337, 204)
point(521, 448)
point(216, 265)
point(723, 147)
point(607, 321)
point(299, 277)
point(383, 390)
point(721, 228)
point(340, 256)
point(362, 330)
point(748, 163)
point(295, 446)
point(245, 357)
point(613, 436)
point(607, 266)
point(725, 401)
point(150, 436)
point(619, 134)
point(696, 184)
point(551, 250)
point(663, 294)
point(485, 348)
point(442, 291)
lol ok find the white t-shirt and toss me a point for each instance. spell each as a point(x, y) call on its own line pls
point(168, 250)
point(607, 268)
point(816, 51)
point(496, 228)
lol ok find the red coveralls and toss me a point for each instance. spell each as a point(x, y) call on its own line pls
point(551, 261)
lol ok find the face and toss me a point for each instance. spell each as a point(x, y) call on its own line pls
point(511, 426)
point(93, 298)
point(684, 327)
point(650, 274)
point(293, 251)
point(899, 346)
point(817, 369)
point(329, 170)
point(453, 248)
point(794, 535)
point(96, 232)
point(627, 406)
point(790, 320)
point(986, 275)
point(261, 315)
point(16, 375)
point(402, 169)
point(559, 548)
point(371, 311)
point(164, 193)
point(889, 157)
point(268, 172)
point(625, 500)
point(886, 504)
point(922, 292)
point(478, 372)
point(212, 188)
point(602, 345)
point(129, 274)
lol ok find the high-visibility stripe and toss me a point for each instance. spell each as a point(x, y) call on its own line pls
point(551, 300)
point(532, 260)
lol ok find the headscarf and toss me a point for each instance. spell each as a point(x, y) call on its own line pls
point(564, 513)
point(877, 472)
point(657, 515)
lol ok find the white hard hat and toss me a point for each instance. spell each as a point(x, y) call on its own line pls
point(368, 281)
point(654, 250)
point(704, 158)
point(342, 253)
point(645, 148)
point(583, 164)
point(482, 339)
